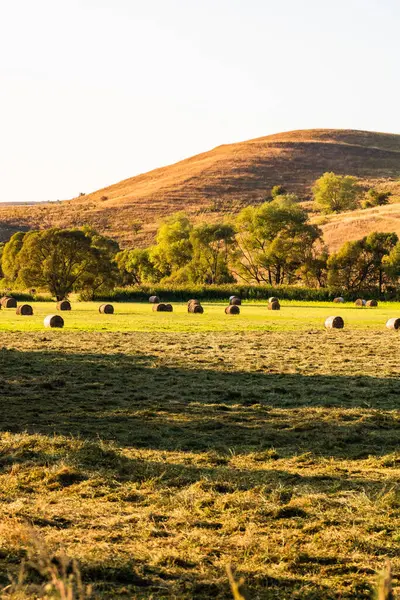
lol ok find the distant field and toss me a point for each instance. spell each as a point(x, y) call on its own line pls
point(296, 316)
point(160, 453)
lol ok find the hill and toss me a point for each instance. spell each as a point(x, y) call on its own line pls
point(224, 180)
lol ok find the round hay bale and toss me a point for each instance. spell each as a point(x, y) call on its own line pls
point(64, 305)
point(360, 302)
point(232, 309)
point(106, 309)
point(273, 299)
point(192, 303)
point(154, 300)
point(160, 307)
point(334, 323)
point(168, 308)
point(235, 301)
point(8, 302)
point(372, 303)
point(393, 323)
point(25, 310)
point(338, 300)
point(197, 309)
point(274, 305)
point(54, 321)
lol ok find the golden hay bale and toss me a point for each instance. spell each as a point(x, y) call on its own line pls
point(64, 305)
point(54, 321)
point(196, 308)
point(334, 323)
point(168, 308)
point(338, 300)
point(232, 309)
point(8, 302)
point(273, 299)
point(106, 309)
point(154, 300)
point(235, 301)
point(360, 302)
point(192, 303)
point(393, 323)
point(371, 303)
point(274, 305)
point(25, 310)
point(160, 307)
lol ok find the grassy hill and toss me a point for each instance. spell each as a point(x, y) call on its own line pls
point(226, 179)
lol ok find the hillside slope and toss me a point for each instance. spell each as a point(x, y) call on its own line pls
point(222, 180)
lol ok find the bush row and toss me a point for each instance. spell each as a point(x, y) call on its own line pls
point(222, 293)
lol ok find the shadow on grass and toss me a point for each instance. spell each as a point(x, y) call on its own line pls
point(134, 403)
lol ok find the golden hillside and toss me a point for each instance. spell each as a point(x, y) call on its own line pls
point(224, 180)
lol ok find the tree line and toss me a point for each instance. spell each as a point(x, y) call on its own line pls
point(274, 243)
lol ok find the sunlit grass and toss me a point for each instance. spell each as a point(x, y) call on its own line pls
point(294, 315)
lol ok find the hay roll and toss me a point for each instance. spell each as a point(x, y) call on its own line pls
point(334, 323)
point(106, 309)
point(154, 300)
point(372, 303)
point(393, 323)
point(8, 302)
point(273, 299)
point(197, 309)
point(235, 301)
point(338, 300)
point(360, 302)
point(232, 309)
point(274, 305)
point(54, 321)
point(192, 303)
point(168, 308)
point(25, 310)
point(160, 307)
point(64, 305)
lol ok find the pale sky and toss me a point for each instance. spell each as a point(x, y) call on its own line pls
point(95, 91)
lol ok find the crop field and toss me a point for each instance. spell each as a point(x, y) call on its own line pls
point(155, 449)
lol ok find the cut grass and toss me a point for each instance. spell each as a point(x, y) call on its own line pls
point(293, 316)
point(156, 460)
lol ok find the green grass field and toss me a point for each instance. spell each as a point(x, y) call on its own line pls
point(155, 449)
point(293, 316)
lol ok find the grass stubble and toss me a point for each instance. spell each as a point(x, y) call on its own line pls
point(156, 461)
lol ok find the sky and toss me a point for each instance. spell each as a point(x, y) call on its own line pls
point(96, 91)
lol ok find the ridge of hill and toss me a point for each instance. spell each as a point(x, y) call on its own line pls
point(224, 180)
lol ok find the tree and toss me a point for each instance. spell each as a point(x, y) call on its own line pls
point(135, 267)
point(211, 246)
point(273, 240)
point(9, 258)
point(102, 273)
point(335, 193)
point(174, 248)
point(375, 198)
point(361, 264)
point(62, 260)
point(278, 190)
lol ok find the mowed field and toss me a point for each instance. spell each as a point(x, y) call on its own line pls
point(156, 449)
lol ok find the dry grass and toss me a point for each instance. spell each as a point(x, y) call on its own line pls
point(235, 175)
point(156, 461)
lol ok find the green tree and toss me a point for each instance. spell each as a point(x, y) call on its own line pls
point(375, 198)
point(336, 193)
point(211, 245)
point(135, 267)
point(102, 273)
point(278, 190)
point(362, 264)
point(173, 249)
point(61, 260)
point(10, 256)
point(273, 240)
